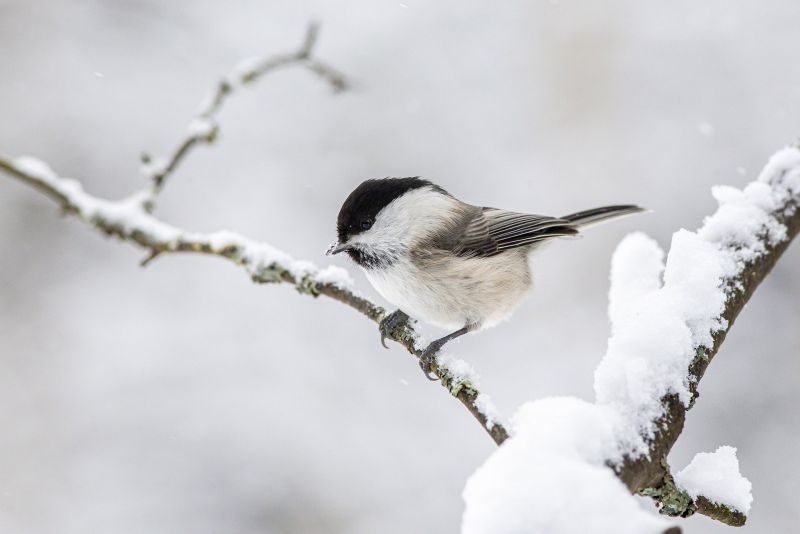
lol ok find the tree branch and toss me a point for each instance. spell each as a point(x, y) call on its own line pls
point(650, 474)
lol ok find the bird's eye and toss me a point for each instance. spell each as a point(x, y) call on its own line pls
point(366, 224)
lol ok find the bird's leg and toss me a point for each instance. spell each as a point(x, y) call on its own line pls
point(428, 355)
point(390, 323)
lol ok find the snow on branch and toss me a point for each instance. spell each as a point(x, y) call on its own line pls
point(669, 319)
point(715, 476)
point(132, 220)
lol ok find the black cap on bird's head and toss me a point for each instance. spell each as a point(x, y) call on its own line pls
point(362, 206)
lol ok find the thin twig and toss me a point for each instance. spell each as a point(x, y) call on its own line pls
point(204, 129)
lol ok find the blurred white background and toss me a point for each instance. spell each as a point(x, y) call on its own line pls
point(182, 398)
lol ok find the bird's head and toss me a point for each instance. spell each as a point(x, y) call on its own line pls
point(382, 217)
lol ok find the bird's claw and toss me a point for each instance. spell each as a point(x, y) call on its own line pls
point(427, 359)
point(390, 324)
point(398, 319)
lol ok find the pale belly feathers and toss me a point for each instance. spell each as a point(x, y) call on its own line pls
point(453, 294)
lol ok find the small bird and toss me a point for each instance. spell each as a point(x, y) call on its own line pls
point(446, 262)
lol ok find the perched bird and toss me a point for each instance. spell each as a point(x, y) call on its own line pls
point(446, 262)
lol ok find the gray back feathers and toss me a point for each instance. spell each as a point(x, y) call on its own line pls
point(490, 231)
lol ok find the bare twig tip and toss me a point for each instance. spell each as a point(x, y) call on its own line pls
point(310, 40)
point(150, 257)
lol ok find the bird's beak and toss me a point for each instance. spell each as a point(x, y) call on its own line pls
point(336, 248)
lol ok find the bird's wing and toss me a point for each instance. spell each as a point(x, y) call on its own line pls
point(491, 231)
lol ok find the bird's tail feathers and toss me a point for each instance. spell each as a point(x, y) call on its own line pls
point(585, 219)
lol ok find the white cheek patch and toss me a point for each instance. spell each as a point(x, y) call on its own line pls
point(411, 217)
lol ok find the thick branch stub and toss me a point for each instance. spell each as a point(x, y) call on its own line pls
point(720, 512)
point(675, 502)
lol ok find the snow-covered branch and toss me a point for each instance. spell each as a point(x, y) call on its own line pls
point(668, 322)
point(710, 275)
point(132, 220)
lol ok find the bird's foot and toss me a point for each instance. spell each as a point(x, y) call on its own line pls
point(428, 358)
point(390, 324)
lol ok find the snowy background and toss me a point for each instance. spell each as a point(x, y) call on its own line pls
point(182, 398)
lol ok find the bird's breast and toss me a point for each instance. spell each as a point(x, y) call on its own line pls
point(451, 292)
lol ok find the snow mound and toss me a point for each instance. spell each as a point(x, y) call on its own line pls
point(715, 476)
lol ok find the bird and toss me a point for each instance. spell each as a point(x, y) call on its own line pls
point(448, 263)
